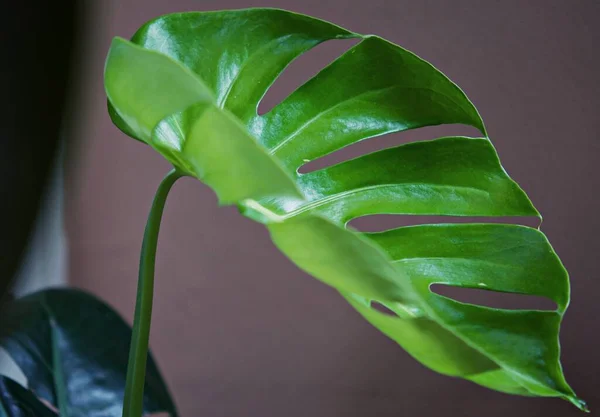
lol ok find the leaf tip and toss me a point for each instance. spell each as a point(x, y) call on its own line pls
point(579, 403)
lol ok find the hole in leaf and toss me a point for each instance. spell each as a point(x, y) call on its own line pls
point(302, 69)
point(375, 305)
point(382, 222)
point(494, 299)
point(389, 140)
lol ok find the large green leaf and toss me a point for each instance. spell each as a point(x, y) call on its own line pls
point(189, 85)
point(18, 401)
point(73, 349)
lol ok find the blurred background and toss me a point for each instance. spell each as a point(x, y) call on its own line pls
point(237, 329)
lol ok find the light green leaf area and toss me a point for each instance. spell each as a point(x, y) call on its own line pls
point(189, 85)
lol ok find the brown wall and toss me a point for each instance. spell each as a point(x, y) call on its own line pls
point(237, 329)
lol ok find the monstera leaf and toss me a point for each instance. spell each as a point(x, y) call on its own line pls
point(189, 86)
point(73, 350)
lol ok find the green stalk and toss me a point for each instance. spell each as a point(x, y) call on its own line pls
point(138, 350)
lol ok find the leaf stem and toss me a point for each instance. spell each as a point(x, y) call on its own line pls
point(138, 350)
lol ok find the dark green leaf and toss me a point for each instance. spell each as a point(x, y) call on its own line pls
point(374, 88)
point(18, 401)
point(73, 350)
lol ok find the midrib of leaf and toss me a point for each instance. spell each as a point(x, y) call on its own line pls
point(335, 197)
point(57, 371)
point(454, 258)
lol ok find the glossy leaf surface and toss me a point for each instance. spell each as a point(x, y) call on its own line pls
point(73, 351)
point(189, 85)
point(18, 401)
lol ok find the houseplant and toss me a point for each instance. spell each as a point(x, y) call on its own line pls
point(189, 86)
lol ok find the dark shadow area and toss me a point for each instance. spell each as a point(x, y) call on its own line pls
point(37, 48)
